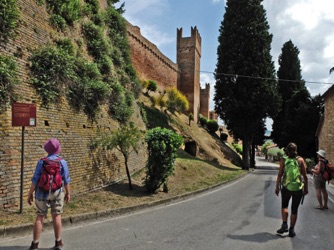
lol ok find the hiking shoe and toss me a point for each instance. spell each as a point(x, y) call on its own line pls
point(58, 245)
point(34, 246)
point(292, 232)
point(283, 229)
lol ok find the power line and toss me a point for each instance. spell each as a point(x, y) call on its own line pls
point(265, 78)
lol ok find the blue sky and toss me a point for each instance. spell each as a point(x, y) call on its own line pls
point(308, 23)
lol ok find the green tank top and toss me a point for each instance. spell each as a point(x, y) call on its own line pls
point(292, 176)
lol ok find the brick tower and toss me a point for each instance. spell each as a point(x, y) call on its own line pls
point(204, 101)
point(188, 58)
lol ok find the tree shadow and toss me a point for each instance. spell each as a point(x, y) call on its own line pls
point(122, 188)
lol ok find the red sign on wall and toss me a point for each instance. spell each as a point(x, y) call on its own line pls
point(23, 115)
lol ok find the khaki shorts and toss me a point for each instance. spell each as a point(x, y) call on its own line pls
point(55, 202)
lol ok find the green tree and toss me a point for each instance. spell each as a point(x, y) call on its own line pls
point(264, 148)
point(125, 139)
point(151, 86)
point(300, 113)
point(244, 91)
point(162, 145)
point(212, 126)
point(177, 102)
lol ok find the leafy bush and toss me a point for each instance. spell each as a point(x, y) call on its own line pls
point(212, 126)
point(202, 120)
point(237, 147)
point(264, 149)
point(151, 86)
point(92, 6)
point(162, 145)
point(56, 72)
point(176, 101)
point(52, 70)
point(275, 153)
point(66, 45)
point(223, 137)
point(8, 79)
point(58, 22)
point(96, 42)
point(120, 103)
point(9, 16)
point(68, 9)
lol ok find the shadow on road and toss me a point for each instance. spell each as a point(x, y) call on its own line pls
point(258, 237)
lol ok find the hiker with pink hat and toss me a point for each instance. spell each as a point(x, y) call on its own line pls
point(51, 184)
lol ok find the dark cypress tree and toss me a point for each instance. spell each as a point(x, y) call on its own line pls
point(300, 113)
point(245, 93)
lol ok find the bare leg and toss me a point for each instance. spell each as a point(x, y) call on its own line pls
point(285, 214)
point(38, 226)
point(325, 195)
point(319, 197)
point(57, 226)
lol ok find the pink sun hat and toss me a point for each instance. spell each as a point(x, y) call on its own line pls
point(52, 146)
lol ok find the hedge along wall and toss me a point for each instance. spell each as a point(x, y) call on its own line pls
point(89, 169)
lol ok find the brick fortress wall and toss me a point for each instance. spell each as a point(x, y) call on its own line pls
point(325, 131)
point(149, 62)
point(89, 170)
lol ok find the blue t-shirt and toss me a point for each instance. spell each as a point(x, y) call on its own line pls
point(41, 194)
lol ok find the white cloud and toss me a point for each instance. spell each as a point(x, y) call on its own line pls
point(145, 8)
point(141, 15)
point(310, 26)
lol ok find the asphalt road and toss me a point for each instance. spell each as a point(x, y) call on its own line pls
point(244, 214)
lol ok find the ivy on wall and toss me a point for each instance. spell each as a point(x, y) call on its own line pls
point(59, 70)
point(8, 79)
point(9, 16)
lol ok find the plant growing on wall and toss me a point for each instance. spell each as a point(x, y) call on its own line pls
point(120, 53)
point(52, 70)
point(8, 79)
point(120, 103)
point(89, 91)
point(58, 72)
point(9, 15)
point(68, 9)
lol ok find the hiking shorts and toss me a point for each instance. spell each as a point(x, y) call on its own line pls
point(319, 182)
point(55, 202)
point(296, 199)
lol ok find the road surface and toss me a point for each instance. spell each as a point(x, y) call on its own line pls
point(244, 214)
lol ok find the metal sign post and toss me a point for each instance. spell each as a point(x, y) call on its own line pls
point(23, 114)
